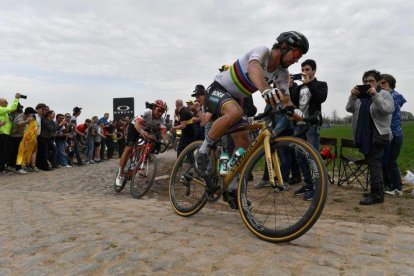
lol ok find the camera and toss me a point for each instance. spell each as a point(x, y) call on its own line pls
point(23, 96)
point(363, 91)
point(297, 76)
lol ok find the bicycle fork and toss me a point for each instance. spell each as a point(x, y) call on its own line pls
point(273, 163)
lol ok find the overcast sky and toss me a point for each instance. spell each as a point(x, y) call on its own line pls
point(84, 53)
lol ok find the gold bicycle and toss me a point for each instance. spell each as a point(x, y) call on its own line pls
point(272, 213)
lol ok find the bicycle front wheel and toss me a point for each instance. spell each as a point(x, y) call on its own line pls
point(144, 176)
point(281, 214)
point(187, 187)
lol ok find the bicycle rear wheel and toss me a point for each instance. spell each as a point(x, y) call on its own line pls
point(278, 215)
point(187, 187)
point(143, 176)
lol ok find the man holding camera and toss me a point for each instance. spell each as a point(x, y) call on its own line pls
point(308, 97)
point(5, 129)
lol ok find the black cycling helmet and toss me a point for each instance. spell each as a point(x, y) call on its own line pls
point(294, 39)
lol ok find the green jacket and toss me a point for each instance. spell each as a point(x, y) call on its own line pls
point(4, 117)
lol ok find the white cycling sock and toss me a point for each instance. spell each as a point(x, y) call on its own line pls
point(205, 147)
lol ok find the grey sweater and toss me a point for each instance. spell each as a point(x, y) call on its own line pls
point(381, 110)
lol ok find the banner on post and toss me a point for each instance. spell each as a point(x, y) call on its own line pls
point(123, 107)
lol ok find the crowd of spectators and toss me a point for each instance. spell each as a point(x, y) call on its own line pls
point(39, 139)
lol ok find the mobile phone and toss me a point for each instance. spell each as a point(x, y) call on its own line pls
point(363, 91)
point(297, 76)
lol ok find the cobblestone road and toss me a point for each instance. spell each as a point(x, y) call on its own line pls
point(69, 221)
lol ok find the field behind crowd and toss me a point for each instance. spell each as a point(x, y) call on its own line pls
point(406, 159)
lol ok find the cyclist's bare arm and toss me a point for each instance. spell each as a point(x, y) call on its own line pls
point(141, 131)
point(205, 118)
point(256, 75)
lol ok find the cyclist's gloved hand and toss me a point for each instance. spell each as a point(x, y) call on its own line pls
point(272, 96)
point(298, 115)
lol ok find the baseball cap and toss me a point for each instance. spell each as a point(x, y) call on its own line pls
point(29, 110)
point(77, 109)
point(198, 91)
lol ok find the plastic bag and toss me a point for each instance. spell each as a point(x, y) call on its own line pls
point(409, 177)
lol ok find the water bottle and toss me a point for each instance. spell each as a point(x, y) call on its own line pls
point(224, 158)
point(236, 158)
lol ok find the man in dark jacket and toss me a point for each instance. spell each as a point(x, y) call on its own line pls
point(308, 97)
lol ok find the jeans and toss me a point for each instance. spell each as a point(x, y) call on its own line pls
point(62, 158)
point(373, 159)
point(76, 149)
point(90, 147)
point(390, 169)
point(312, 136)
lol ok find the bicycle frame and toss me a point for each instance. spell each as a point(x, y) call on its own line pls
point(141, 152)
point(271, 161)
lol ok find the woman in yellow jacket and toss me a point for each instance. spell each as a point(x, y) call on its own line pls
point(28, 147)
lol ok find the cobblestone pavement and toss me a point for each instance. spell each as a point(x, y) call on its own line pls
point(69, 221)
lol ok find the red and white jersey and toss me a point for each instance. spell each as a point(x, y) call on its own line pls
point(149, 123)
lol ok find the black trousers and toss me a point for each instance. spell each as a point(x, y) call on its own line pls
point(14, 149)
point(42, 153)
point(4, 150)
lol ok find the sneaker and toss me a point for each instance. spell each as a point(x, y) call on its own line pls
point(395, 192)
point(36, 169)
point(301, 191)
point(309, 195)
point(67, 166)
point(21, 171)
point(262, 184)
point(280, 188)
point(202, 162)
point(119, 180)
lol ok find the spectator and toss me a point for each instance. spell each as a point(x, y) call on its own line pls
point(5, 129)
point(60, 140)
point(26, 155)
point(92, 132)
point(76, 112)
point(98, 139)
point(371, 120)
point(308, 97)
point(186, 125)
point(46, 149)
point(110, 139)
point(20, 124)
point(42, 147)
point(121, 136)
point(16, 135)
point(52, 150)
point(390, 169)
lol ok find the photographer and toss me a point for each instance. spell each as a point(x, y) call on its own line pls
point(371, 120)
point(308, 97)
point(5, 129)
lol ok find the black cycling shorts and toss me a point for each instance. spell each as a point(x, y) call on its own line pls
point(132, 135)
point(216, 97)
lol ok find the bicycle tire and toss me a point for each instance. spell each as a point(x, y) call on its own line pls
point(255, 205)
point(186, 186)
point(142, 181)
